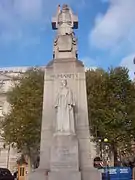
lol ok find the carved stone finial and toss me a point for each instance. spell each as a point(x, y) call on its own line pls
point(58, 9)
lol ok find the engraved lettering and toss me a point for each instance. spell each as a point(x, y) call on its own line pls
point(63, 76)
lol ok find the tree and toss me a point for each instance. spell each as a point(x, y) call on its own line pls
point(95, 80)
point(111, 105)
point(22, 124)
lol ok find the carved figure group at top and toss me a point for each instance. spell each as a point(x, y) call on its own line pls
point(64, 20)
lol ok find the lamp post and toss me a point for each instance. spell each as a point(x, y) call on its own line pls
point(8, 156)
point(104, 149)
point(100, 147)
point(106, 157)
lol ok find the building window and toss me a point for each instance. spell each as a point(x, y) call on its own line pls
point(2, 83)
point(1, 111)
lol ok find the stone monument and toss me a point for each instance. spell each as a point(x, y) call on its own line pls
point(65, 138)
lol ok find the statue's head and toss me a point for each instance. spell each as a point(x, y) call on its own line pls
point(65, 7)
point(64, 83)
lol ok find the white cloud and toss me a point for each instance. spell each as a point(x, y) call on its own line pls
point(98, 18)
point(128, 62)
point(115, 26)
point(88, 62)
point(14, 15)
point(17, 15)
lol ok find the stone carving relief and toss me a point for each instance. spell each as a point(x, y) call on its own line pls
point(65, 110)
point(65, 21)
point(65, 40)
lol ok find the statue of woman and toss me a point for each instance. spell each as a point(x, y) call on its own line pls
point(65, 110)
point(65, 21)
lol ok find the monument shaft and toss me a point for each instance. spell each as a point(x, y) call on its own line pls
point(65, 151)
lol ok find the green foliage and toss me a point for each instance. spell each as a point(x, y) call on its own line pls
point(111, 104)
point(22, 125)
point(95, 81)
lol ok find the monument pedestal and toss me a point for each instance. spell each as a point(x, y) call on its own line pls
point(64, 175)
point(64, 153)
point(38, 174)
point(64, 163)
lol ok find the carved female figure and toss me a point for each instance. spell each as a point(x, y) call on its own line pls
point(65, 21)
point(65, 110)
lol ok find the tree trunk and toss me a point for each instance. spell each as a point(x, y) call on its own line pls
point(111, 158)
point(114, 149)
point(29, 164)
point(28, 160)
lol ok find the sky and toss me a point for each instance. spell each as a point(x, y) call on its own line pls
point(106, 32)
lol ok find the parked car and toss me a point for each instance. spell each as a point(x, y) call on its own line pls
point(15, 175)
point(5, 174)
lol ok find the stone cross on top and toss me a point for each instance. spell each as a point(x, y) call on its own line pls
point(64, 17)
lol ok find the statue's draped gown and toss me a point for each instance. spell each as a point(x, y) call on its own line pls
point(65, 111)
point(65, 24)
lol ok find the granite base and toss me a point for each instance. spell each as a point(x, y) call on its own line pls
point(38, 174)
point(67, 175)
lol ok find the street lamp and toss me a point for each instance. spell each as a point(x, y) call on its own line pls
point(105, 140)
point(100, 147)
point(106, 148)
point(103, 146)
